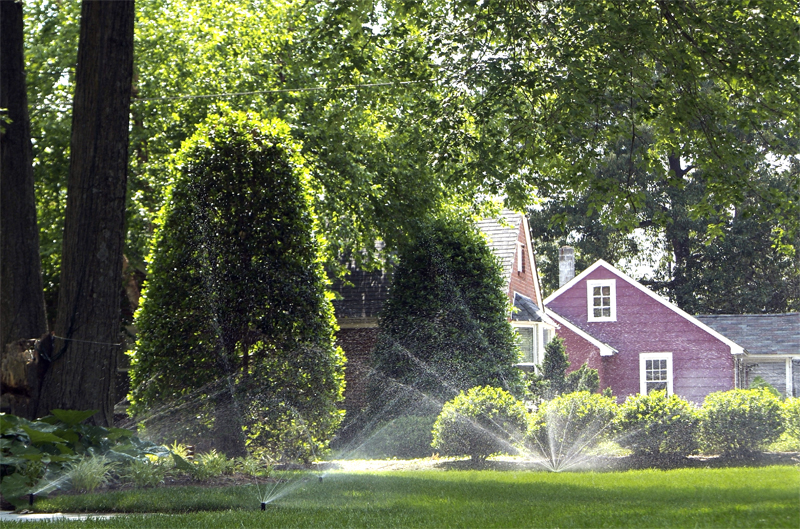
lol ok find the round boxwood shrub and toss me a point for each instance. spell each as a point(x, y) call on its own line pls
point(740, 421)
point(658, 424)
point(481, 422)
point(564, 429)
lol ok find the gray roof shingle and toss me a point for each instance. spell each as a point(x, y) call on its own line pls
point(759, 333)
point(502, 239)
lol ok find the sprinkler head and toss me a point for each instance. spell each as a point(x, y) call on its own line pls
point(263, 506)
point(30, 499)
point(320, 479)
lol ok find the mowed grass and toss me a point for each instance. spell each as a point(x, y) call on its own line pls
point(734, 497)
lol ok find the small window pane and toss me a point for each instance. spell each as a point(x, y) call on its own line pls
point(527, 345)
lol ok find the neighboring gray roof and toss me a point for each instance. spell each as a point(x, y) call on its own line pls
point(502, 238)
point(526, 309)
point(365, 298)
point(759, 333)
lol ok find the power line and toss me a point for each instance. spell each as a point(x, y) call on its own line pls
point(279, 90)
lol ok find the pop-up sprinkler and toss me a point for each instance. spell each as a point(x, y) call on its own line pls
point(263, 506)
point(320, 479)
point(30, 499)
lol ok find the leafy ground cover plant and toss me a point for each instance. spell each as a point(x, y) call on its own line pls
point(655, 424)
point(565, 428)
point(36, 455)
point(741, 421)
point(483, 421)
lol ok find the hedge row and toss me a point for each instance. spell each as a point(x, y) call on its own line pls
point(486, 420)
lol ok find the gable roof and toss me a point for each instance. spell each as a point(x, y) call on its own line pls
point(759, 334)
point(502, 234)
point(735, 348)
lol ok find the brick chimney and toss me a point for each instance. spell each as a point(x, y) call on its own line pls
point(566, 265)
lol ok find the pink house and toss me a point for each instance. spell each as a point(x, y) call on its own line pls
point(638, 341)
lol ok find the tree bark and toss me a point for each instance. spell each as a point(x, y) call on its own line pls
point(88, 323)
point(22, 312)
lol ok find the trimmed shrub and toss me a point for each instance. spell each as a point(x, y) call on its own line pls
point(481, 422)
point(565, 428)
point(657, 424)
point(740, 421)
point(235, 325)
point(445, 326)
point(405, 437)
point(791, 417)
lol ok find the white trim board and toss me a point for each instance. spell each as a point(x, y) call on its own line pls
point(605, 349)
point(736, 349)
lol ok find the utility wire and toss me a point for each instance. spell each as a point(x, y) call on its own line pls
point(279, 90)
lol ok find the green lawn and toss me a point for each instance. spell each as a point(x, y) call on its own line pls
point(732, 497)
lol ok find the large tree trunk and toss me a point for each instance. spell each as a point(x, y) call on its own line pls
point(22, 313)
point(88, 322)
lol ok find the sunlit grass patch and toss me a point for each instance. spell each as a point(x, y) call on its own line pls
point(731, 497)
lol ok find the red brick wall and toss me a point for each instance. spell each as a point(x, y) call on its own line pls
point(522, 282)
point(357, 345)
point(701, 363)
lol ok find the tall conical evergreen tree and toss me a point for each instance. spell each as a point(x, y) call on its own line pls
point(235, 316)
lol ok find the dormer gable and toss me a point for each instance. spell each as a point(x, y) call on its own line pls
point(600, 286)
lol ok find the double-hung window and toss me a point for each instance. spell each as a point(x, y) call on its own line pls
point(601, 295)
point(528, 344)
point(655, 372)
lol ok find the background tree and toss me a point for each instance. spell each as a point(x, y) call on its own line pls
point(21, 302)
point(444, 327)
point(82, 374)
point(535, 93)
point(235, 323)
point(737, 269)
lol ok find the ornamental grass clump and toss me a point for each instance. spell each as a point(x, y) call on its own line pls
point(740, 422)
point(481, 422)
point(90, 472)
point(143, 473)
point(212, 464)
point(656, 424)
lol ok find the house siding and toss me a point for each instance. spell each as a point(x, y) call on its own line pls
point(581, 351)
point(522, 282)
point(701, 363)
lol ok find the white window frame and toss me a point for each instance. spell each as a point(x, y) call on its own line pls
point(520, 257)
point(591, 284)
point(643, 358)
point(539, 343)
point(535, 340)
